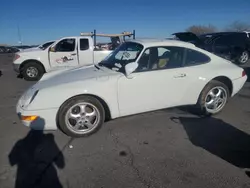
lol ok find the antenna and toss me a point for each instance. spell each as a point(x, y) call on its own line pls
point(19, 35)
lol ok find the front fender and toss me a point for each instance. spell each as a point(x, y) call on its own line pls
point(41, 56)
point(55, 96)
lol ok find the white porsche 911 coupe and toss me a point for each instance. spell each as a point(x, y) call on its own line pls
point(139, 76)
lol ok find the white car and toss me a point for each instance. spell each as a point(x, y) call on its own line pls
point(139, 76)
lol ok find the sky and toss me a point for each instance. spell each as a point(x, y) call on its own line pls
point(44, 20)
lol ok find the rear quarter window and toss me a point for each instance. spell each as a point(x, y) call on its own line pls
point(194, 57)
point(84, 44)
point(239, 39)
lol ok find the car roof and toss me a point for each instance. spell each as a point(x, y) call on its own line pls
point(223, 33)
point(161, 42)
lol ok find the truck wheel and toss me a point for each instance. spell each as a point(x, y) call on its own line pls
point(81, 116)
point(32, 71)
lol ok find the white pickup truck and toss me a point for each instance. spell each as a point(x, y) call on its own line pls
point(65, 53)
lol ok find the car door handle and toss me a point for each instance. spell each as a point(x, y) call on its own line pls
point(73, 54)
point(180, 75)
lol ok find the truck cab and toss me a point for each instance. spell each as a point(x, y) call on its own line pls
point(66, 52)
point(74, 51)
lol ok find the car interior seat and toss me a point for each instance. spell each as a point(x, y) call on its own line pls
point(153, 58)
point(175, 60)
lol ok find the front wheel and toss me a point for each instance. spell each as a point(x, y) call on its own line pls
point(32, 71)
point(213, 98)
point(81, 116)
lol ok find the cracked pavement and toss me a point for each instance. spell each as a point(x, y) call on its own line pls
point(167, 148)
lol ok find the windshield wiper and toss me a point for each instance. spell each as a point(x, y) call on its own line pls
point(97, 67)
point(101, 63)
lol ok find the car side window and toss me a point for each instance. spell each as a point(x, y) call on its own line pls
point(2, 49)
point(194, 57)
point(66, 45)
point(222, 41)
point(162, 57)
point(84, 44)
point(238, 39)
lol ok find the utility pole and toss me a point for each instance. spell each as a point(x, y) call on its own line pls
point(19, 35)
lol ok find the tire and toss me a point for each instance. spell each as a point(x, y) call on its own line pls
point(205, 96)
point(244, 58)
point(69, 126)
point(27, 69)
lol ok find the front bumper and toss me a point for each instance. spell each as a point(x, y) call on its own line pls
point(16, 68)
point(46, 119)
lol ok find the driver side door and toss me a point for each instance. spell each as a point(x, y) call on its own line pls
point(156, 84)
point(64, 54)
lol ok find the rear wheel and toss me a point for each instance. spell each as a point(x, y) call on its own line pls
point(213, 98)
point(32, 71)
point(244, 57)
point(81, 116)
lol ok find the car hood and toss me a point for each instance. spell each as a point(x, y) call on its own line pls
point(31, 49)
point(29, 52)
point(71, 75)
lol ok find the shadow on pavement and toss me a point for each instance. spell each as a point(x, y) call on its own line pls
point(19, 76)
point(192, 110)
point(219, 138)
point(36, 156)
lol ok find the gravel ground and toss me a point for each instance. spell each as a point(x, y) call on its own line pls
point(167, 148)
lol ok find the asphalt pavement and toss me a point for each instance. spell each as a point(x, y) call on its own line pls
point(166, 148)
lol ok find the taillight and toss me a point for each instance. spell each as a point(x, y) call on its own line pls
point(16, 57)
point(243, 73)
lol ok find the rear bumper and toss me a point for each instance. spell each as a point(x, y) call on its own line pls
point(238, 84)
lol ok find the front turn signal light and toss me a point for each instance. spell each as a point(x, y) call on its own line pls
point(29, 118)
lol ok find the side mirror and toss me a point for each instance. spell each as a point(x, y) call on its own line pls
point(52, 49)
point(129, 68)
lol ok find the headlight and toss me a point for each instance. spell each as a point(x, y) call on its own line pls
point(17, 56)
point(34, 95)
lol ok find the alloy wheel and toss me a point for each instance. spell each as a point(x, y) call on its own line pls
point(244, 58)
point(216, 99)
point(82, 118)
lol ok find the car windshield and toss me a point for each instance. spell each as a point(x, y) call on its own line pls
point(206, 38)
point(126, 53)
point(46, 45)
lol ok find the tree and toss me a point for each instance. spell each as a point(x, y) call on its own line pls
point(238, 26)
point(201, 29)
